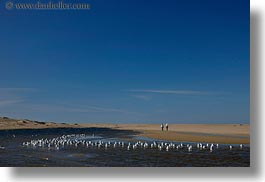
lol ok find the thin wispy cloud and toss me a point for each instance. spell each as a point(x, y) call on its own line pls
point(13, 96)
point(10, 102)
point(14, 92)
point(22, 89)
point(141, 97)
point(73, 109)
point(177, 92)
point(94, 109)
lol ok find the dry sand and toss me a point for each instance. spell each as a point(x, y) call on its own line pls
point(217, 133)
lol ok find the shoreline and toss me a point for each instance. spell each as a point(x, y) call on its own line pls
point(211, 133)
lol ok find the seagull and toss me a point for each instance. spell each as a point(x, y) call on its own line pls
point(211, 147)
point(190, 148)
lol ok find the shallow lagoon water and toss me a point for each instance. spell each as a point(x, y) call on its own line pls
point(15, 154)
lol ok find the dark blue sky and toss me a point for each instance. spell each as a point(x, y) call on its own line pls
point(127, 61)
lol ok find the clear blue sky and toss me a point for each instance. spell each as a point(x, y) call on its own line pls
point(128, 61)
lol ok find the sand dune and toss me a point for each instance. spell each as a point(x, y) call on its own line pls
point(9, 124)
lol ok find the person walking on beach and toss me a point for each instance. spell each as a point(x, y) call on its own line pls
point(162, 127)
point(167, 126)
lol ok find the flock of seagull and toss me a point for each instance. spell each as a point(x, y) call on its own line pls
point(80, 140)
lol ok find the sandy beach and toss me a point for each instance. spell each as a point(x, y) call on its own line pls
point(216, 133)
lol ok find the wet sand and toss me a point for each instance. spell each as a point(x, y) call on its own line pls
point(215, 133)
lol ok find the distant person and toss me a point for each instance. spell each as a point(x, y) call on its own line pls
point(167, 126)
point(162, 127)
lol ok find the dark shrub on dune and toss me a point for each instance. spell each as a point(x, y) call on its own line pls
point(38, 122)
